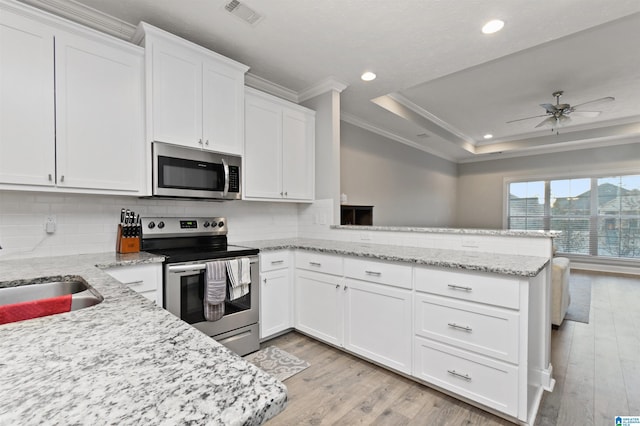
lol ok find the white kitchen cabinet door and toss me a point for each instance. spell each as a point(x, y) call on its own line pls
point(276, 310)
point(99, 115)
point(263, 149)
point(27, 132)
point(298, 133)
point(176, 75)
point(378, 323)
point(222, 108)
point(319, 306)
point(145, 279)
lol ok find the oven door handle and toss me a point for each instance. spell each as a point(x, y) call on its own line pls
point(187, 268)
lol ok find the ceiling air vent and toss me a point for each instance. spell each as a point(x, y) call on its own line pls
point(243, 12)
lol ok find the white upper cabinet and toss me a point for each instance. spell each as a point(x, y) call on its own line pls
point(279, 149)
point(27, 129)
point(99, 115)
point(71, 107)
point(196, 96)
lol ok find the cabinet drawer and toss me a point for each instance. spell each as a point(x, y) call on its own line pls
point(483, 329)
point(378, 272)
point(140, 278)
point(319, 262)
point(272, 260)
point(491, 383)
point(480, 287)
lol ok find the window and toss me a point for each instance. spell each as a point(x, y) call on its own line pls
point(598, 216)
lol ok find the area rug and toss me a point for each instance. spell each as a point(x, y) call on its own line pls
point(580, 304)
point(277, 362)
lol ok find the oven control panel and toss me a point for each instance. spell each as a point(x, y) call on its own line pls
point(157, 227)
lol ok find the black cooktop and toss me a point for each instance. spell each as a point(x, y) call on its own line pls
point(195, 254)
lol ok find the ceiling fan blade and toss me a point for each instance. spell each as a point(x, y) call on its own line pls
point(589, 114)
point(526, 118)
point(550, 121)
point(605, 99)
point(549, 107)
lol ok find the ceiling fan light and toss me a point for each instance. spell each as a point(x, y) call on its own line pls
point(493, 26)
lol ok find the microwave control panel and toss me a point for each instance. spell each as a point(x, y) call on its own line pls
point(234, 179)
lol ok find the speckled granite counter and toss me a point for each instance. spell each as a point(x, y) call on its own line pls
point(124, 361)
point(526, 266)
point(464, 231)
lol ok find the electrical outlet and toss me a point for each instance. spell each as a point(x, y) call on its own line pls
point(50, 224)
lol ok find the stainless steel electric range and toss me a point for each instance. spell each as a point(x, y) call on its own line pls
point(188, 244)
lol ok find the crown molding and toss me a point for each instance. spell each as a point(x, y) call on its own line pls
point(86, 16)
point(274, 89)
point(358, 122)
point(324, 86)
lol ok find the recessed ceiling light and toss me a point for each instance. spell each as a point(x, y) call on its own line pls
point(368, 76)
point(493, 26)
point(488, 136)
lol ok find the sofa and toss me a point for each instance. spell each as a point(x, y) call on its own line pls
point(560, 296)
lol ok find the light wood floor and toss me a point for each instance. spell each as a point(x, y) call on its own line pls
point(596, 367)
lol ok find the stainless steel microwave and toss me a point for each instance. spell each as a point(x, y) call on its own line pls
point(193, 173)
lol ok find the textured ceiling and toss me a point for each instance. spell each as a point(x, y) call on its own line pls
point(453, 83)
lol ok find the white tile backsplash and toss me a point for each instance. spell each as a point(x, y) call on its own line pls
point(87, 223)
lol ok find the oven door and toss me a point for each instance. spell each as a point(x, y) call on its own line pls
point(184, 297)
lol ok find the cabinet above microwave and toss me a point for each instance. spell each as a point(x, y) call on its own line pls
point(195, 97)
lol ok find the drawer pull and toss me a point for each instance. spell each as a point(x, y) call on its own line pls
point(460, 327)
point(135, 283)
point(315, 264)
point(459, 287)
point(374, 273)
point(277, 262)
point(462, 376)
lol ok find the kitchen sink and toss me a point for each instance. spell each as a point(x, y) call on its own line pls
point(82, 294)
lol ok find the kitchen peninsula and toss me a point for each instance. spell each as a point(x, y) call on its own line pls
point(463, 311)
point(124, 361)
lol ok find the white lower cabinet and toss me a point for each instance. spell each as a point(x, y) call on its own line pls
point(145, 279)
point(319, 306)
point(276, 300)
point(377, 323)
point(484, 380)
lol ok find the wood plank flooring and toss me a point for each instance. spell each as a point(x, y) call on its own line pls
point(596, 367)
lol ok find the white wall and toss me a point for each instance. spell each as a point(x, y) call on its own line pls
point(87, 223)
point(481, 184)
point(407, 187)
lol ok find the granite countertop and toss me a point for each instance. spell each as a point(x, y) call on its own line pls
point(124, 361)
point(465, 231)
point(526, 266)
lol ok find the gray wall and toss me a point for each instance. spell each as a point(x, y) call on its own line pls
point(407, 187)
point(481, 184)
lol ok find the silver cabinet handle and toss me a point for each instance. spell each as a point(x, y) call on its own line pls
point(374, 273)
point(462, 376)
point(282, 194)
point(62, 178)
point(459, 287)
point(315, 264)
point(135, 283)
point(207, 142)
point(264, 280)
point(337, 286)
point(277, 262)
point(50, 177)
point(286, 193)
point(345, 288)
point(200, 141)
point(459, 327)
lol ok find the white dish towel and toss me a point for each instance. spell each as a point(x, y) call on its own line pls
point(239, 272)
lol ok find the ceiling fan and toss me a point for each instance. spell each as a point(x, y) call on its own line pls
point(558, 114)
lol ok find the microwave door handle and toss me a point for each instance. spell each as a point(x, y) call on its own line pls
point(226, 178)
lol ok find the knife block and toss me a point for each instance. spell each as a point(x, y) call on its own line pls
point(127, 244)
